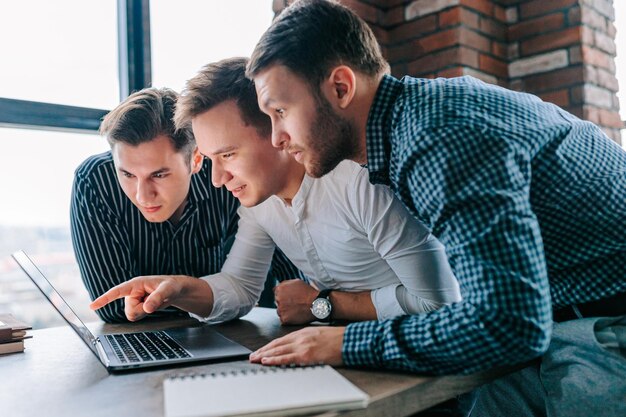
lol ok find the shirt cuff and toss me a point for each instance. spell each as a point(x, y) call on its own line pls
point(362, 344)
point(386, 303)
point(225, 300)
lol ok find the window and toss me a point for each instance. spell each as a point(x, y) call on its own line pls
point(62, 51)
point(61, 71)
point(187, 35)
point(38, 169)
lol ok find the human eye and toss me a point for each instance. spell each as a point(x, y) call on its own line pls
point(159, 175)
point(228, 155)
point(127, 174)
point(280, 112)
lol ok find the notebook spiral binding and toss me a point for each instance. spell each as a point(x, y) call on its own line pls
point(242, 372)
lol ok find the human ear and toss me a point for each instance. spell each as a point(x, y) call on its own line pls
point(342, 83)
point(196, 161)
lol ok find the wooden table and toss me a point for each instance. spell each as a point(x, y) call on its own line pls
point(58, 375)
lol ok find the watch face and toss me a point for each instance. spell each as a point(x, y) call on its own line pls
point(321, 308)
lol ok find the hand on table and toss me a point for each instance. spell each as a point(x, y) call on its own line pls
point(293, 301)
point(308, 346)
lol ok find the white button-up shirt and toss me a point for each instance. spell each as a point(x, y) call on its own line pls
point(344, 233)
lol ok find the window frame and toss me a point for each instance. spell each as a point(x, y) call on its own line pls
point(134, 70)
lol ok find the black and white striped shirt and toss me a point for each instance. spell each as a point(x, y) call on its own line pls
point(113, 242)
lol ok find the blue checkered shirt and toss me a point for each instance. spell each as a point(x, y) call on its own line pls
point(529, 201)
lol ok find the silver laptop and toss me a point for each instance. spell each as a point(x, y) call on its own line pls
point(128, 351)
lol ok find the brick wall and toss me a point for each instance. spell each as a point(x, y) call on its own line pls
point(561, 50)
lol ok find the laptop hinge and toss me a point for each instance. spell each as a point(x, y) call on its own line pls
point(100, 349)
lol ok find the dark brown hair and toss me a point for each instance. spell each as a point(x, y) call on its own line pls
point(219, 82)
point(143, 116)
point(311, 37)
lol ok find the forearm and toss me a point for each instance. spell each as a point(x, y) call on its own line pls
point(353, 306)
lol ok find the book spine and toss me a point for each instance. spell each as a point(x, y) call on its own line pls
point(6, 334)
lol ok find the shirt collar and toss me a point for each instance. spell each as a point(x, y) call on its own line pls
point(378, 129)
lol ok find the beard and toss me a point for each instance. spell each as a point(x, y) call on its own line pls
point(332, 139)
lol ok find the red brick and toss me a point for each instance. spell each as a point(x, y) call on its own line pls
point(550, 41)
point(400, 53)
point(459, 15)
point(508, 2)
point(610, 30)
point(468, 57)
point(483, 6)
point(532, 27)
point(614, 134)
point(439, 40)
point(383, 50)
point(591, 114)
point(367, 12)
point(559, 97)
point(450, 17)
point(499, 13)
point(564, 77)
point(393, 17)
point(474, 40)
point(451, 72)
point(493, 66)
point(381, 34)
point(413, 29)
point(607, 80)
point(586, 36)
point(470, 18)
point(576, 94)
point(440, 60)
point(574, 16)
point(493, 28)
point(603, 117)
point(392, 3)
point(576, 111)
point(499, 49)
point(595, 57)
point(399, 70)
point(424, 45)
point(516, 85)
point(539, 7)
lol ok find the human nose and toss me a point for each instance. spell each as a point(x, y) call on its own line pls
point(280, 138)
point(219, 176)
point(145, 192)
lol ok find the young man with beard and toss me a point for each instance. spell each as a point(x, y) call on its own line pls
point(147, 206)
point(527, 199)
point(364, 255)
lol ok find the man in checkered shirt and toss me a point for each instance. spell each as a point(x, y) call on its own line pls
point(528, 200)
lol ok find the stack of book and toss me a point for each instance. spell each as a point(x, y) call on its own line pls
point(12, 334)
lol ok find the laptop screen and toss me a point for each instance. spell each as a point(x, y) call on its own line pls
point(55, 299)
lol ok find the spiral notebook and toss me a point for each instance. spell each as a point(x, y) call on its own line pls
point(261, 391)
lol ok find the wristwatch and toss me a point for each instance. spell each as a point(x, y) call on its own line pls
point(321, 306)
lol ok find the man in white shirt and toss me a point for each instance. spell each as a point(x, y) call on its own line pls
point(357, 243)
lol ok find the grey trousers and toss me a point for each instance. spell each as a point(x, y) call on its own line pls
point(583, 373)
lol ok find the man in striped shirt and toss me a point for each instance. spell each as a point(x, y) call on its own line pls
point(527, 199)
point(148, 207)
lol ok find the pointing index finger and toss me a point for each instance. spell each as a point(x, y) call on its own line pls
point(115, 293)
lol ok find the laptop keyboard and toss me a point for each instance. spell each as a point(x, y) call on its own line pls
point(147, 346)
